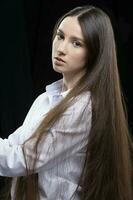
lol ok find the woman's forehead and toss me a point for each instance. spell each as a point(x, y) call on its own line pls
point(71, 26)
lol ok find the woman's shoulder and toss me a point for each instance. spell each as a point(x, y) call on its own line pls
point(40, 98)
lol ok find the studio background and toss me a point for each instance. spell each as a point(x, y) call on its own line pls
point(25, 52)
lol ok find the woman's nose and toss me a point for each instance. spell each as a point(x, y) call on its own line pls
point(62, 48)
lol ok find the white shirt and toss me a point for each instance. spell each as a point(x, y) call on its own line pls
point(62, 155)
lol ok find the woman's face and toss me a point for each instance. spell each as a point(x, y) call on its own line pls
point(69, 52)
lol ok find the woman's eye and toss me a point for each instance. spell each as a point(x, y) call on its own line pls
point(76, 44)
point(60, 36)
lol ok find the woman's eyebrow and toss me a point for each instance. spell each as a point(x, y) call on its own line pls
point(72, 36)
point(60, 30)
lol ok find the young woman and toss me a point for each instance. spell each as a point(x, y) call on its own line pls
point(74, 142)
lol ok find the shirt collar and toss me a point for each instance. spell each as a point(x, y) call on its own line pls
point(55, 88)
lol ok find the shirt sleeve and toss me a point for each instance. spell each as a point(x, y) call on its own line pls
point(65, 138)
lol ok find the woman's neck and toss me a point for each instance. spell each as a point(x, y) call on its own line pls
point(70, 81)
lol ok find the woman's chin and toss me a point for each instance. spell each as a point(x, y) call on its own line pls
point(56, 69)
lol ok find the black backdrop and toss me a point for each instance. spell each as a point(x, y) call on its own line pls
point(25, 52)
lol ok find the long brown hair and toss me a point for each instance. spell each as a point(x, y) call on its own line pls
point(107, 171)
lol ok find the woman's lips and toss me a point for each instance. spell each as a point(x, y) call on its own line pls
point(58, 61)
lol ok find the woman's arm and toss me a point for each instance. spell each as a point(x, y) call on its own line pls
point(68, 136)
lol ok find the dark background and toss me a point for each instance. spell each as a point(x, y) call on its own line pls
point(25, 52)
